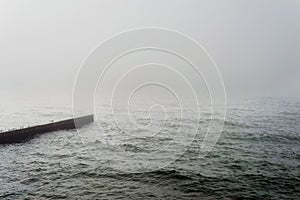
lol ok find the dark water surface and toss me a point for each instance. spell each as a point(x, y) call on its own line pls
point(256, 157)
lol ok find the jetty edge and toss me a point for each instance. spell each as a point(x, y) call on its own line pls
point(24, 134)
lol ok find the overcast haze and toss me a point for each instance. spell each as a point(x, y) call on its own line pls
point(255, 43)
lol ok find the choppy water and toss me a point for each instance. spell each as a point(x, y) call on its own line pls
point(256, 157)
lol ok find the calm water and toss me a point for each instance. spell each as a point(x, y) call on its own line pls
point(256, 157)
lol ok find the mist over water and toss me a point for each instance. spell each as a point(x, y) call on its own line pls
point(256, 157)
point(144, 150)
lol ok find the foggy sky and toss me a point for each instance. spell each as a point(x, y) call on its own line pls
point(255, 43)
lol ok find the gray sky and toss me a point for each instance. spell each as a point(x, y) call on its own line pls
point(255, 43)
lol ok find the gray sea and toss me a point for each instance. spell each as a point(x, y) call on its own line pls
point(256, 157)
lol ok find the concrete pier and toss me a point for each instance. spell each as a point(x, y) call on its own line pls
point(24, 134)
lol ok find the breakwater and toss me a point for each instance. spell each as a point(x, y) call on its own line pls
point(24, 134)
